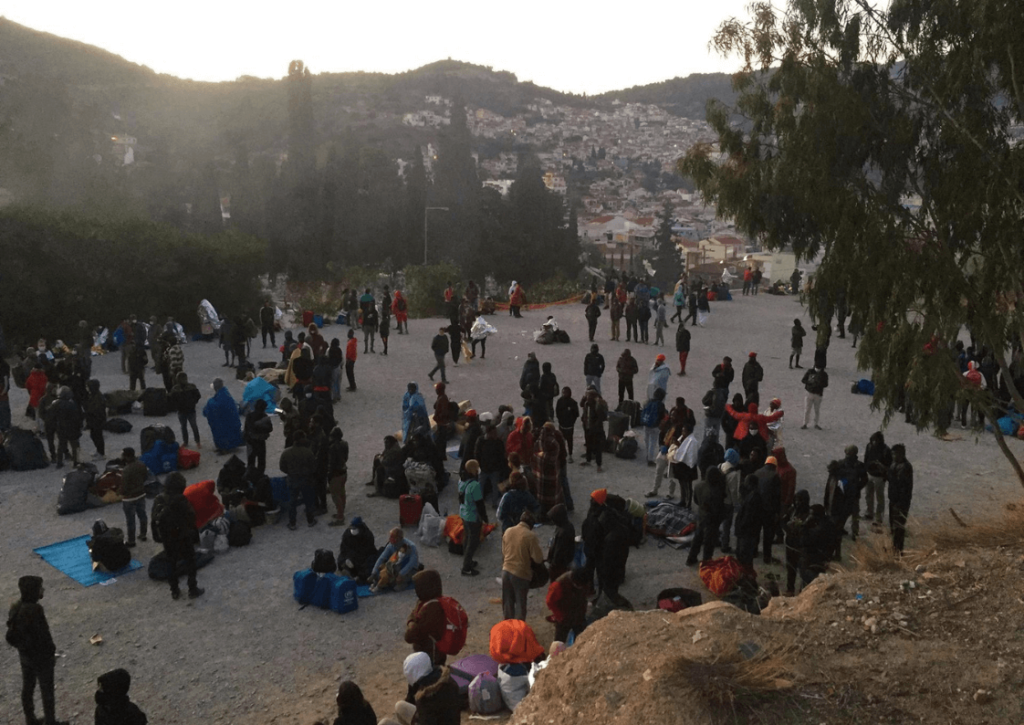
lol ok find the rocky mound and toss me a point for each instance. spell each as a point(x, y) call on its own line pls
point(937, 638)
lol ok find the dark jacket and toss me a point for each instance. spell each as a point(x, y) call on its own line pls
point(360, 549)
point(723, 375)
point(682, 339)
point(709, 495)
point(427, 622)
point(113, 707)
point(490, 453)
point(877, 456)
point(567, 411)
point(298, 463)
point(815, 381)
point(530, 374)
point(626, 367)
point(769, 485)
point(133, 480)
point(548, 386)
point(337, 457)
point(258, 426)
point(901, 485)
point(797, 336)
point(753, 374)
point(440, 345)
point(436, 698)
point(361, 714)
point(185, 397)
point(749, 514)
point(267, 317)
point(593, 364)
point(177, 521)
point(563, 545)
point(68, 417)
point(27, 618)
point(717, 407)
point(95, 407)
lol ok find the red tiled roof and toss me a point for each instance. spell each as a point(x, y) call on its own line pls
point(602, 219)
point(729, 240)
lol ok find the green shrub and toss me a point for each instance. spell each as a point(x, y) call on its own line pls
point(424, 288)
point(553, 289)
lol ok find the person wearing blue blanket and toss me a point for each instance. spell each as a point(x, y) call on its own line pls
point(221, 412)
point(406, 563)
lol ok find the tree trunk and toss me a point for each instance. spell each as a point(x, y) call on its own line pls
point(990, 414)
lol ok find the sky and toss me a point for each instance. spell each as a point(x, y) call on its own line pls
point(567, 45)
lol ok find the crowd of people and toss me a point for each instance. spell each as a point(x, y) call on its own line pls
point(732, 472)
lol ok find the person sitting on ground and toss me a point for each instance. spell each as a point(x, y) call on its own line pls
point(387, 464)
point(353, 709)
point(427, 622)
point(113, 706)
point(433, 696)
point(358, 552)
point(406, 562)
point(567, 600)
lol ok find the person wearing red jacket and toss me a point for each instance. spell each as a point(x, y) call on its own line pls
point(35, 384)
point(752, 417)
point(351, 350)
point(427, 622)
point(401, 312)
point(567, 600)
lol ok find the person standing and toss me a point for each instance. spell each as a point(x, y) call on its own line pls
point(137, 362)
point(748, 277)
point(691, 308)
point(567, 412)
point(594, 414)
point(299, 464)
point(520, 550)
point(174, 360)
point(439, 346)
point(878, 460)
point(95, 408)
point(631, 313)
point(593, 368)
point(489, 452)
point(643, 316)
point(796, 344)
point(370, 322)
point(267, 323)
point(351, 350)
point(616, 315)
point(156, 345)
point(474, 515)
point(336, 359)
point(658, 377)
point(703, 307)
point(592, 313)
point(709, 495)
point(815, 381)
point(653, 418)
point(177, 526)
point(337, 474)
point(68, 419)
point(517, 298)
point(385, 327)
point(679, 302)
point(454, 331)
point(30, 632)
point(752, 376)
point(133, 494)
point(769, 486)
point(660, 322)
point(401, 309)
point(258, 427)
point(901, 490)
point(626, 367)
point(186, 397)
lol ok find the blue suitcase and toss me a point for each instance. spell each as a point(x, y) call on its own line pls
point(279, 489)
point(304, 583)
point(343, 595)
point(322, 591)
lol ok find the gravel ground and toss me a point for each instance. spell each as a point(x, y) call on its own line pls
point(245, 652)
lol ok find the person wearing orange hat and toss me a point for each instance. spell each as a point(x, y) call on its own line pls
point(752, 375)
point(658, 378)
point(600, 496)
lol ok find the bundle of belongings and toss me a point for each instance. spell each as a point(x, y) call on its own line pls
point(514, 646)
point(259, 389)
point(735, 583)
point(671, 522)
point(107, 549)
point(550, 333)
point(209, 321)
point(246, 492)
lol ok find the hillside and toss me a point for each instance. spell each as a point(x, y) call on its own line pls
point(686, 97)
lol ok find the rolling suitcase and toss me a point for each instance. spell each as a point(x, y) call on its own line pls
point(618, 424)
point(632, 409)
point(410, 506)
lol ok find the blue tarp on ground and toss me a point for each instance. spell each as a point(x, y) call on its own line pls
point(72, 558)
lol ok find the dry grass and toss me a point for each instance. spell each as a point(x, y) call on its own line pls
point(1004, 529)
point(876, 553)
point(739, 669)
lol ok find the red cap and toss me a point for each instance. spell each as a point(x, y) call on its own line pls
point(600, 495)
point(753, 354)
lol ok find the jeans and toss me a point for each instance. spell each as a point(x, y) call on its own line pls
point(188, 417)
point(257, 455)
point(438, 366)
point(305, 490)
point(875, 491)
point(513, 596)
point(336, 383)
point(594, 380)
point(470, 542)
point(812, 402)
point(625, 387)
point(594, 442)
point(132, 509)
point(33, 671)
point(489, 481)
point(268, 330)
point(369, 335)
point(652, 436)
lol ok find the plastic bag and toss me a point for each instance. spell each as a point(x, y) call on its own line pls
point(513, 687)
point(431, 526)
point(485, 695)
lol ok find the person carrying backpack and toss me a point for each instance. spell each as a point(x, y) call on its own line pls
point(177, 525)
point(427, 622)
point(29, 633)
point(651, 418)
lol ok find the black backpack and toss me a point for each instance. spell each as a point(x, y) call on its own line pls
point(323, 562)
point(239, 534)
point(117, 425)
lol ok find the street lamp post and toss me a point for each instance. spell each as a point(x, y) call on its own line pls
point(426, 217)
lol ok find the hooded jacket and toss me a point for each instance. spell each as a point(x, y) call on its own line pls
point(359, 548)
point(752, 417)
point(35, 384)
point(27, 618)
point(563, 544)
point(95, 407)
point(530, 373)
point(521, 442)
point(112, 704)
point(626, 366)
point(436, 697)
point(427, 622)
point(682, 339)
point(414, 411)
point(593, 364)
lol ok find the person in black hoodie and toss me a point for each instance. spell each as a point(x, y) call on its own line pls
point(547, 389)
point(531, 371)
point(185, 396)
point(709, 495)
point(258, 427)
point(177, 524)
point(563, 544)
point(567, 412)
point(113, 707)
point(27, 626)
point(358, 552)
point(748, 521)
point(96, 416)
point(68, 418)
point(353, 709)
point(267, 323)
point(470, 437)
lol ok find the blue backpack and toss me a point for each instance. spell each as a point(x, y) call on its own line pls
point(343, 595)
point(649, 416)
point(304, 583)
point(322, 591)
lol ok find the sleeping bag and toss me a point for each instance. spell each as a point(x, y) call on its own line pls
point(221, 412)
point(74, 491)
point(260, 389)
point(25, 451)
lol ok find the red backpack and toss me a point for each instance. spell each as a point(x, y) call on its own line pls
point(454, 638)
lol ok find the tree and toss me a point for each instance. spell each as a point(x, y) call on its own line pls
point(667, 266)
point(457, 187)
point(884, 140)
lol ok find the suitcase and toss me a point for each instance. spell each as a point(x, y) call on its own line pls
point(322, 591)
point(618, 423)
point(468, 668)
point(318, 320)
point(154, 402)
point(343, 595)
point(279, 489)
point(632, 409)
point(187, 459)
point(303, 583)
point(410, 506)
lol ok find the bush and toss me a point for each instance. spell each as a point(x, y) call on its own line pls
point(553, 289)
point(424, 288)
point(59, 268)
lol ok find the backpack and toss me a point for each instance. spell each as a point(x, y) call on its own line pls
point(627, 447)
point(117, 425)
point(14, 633)
point(708, 400)
point(454, 638)
point(323, 562)
point(649, 415)
point(239, 534)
